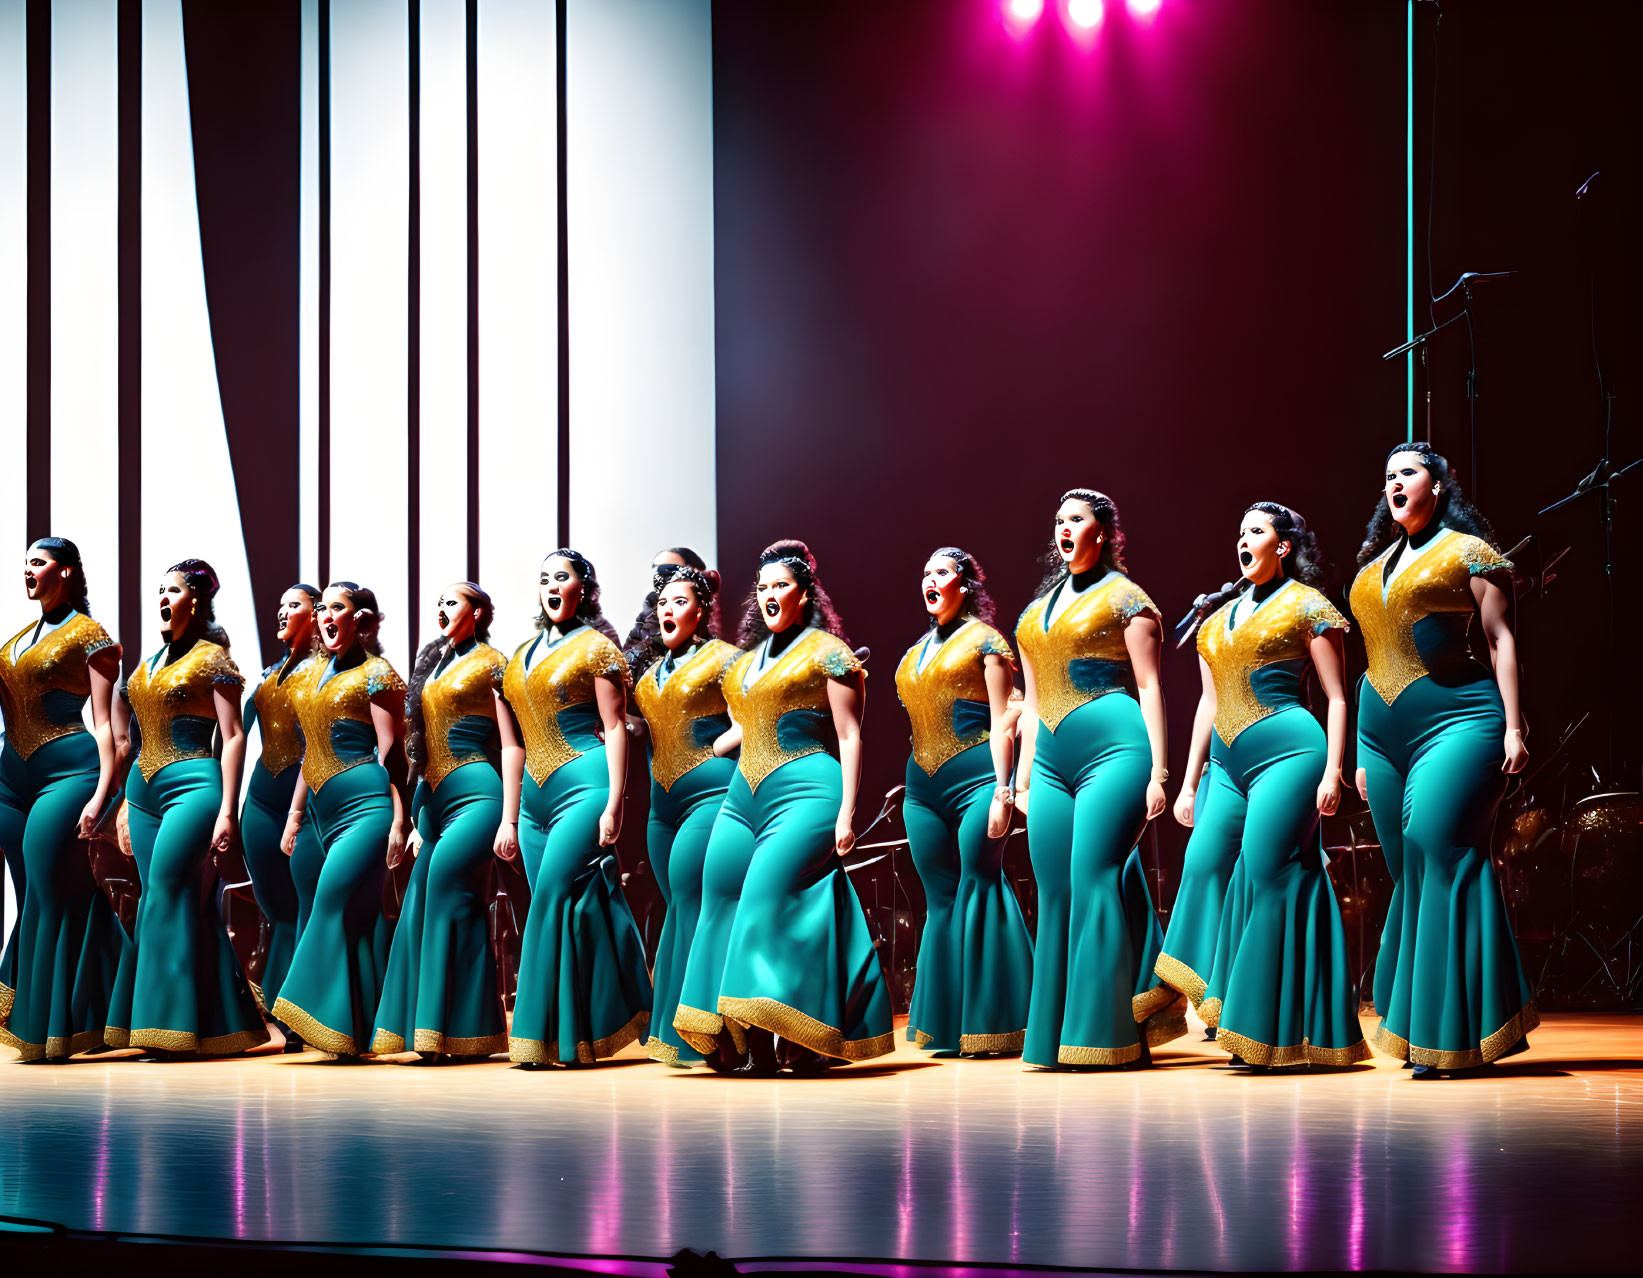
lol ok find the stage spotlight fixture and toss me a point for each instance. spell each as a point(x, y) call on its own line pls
point(1024, 11)
point(1143, 8)
point(1086, 13)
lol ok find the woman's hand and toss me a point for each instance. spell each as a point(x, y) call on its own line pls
point(413, 846)
point(610, 825)
point(1157, 800)
point(506, 844)
point(223, 832)
point(1185, 803)
point(1361, 780)
point(1329, 793)
point(998, 813)
point(396, 845)
point(88, 823)
point(288, 840)
point(844, 838)
point(1517, 754)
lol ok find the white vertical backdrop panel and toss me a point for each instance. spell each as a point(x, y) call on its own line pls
point(85, 153)
point(444, 316)
point(518, 306)
point(370, 208)
point(190, 506)
point(639, 177)
point(13, 306)
point(308, 302)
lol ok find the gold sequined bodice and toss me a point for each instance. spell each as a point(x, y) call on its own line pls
point(186, 687)
point(277, 717)
point(466, 687)
point(322, 702)
point(59, 662)
point(796, 681)
point(564, 676)
point(1091, 627)
point(1438, 581)
point(695, 690)
point(1279, 629)
point(957, 671)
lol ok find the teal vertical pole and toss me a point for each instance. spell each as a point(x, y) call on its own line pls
point(1409, 206)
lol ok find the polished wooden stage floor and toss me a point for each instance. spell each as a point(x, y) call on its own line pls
point(1189, 1166)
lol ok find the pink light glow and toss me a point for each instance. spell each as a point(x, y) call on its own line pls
point(1086, 13)
point(1143, 8)
point(1025, 10)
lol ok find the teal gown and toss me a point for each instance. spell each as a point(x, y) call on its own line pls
point(58, 972)
point(1449, 984)
point(1188, 954)
point(975, 958)
point(1281, 990)
point(584, 989)
point(180, 987)
point(798, 959)
point(683, 704)
point(1095, 995)
point(441, 993)
point(284, 886)
point(334, 984)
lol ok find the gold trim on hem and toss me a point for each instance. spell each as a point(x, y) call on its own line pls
point(665, 1053)
point(116, 1037)
point(797, 1027)
point(313, 1032)
point(188, 1041)
point(1493, 1047)
point(57, 1047)
point(1165, 1027)
point(1173, 972)
point(1209, 1011)
point(1156, 999)
point(8, 996)
point(698, 1028)
point(1302, 1053)
point(1097, 1055)
point(1008, 1043)
point(533, 1051)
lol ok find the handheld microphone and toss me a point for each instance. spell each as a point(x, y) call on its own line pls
point(1188, 625)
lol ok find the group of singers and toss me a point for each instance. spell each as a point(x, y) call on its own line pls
point(766, 962)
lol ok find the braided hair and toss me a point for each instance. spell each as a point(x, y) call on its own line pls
point(795, 556)
point(67, 555)
point(1105, 509)
point(1454, 509)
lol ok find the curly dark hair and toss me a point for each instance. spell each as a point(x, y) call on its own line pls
point(648, 647)
point(67, 555)
point(587, 610)
point(1112, 544)
point(1455, 510)
point(1304, 562)
point(201, 579)
point(795, 556)
point(978, 601)
point(644, 625)
point(427, 658)
point(370, 626)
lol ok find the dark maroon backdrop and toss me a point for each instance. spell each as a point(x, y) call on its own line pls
point(959, 272)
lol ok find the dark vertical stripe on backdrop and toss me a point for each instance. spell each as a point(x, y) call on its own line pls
point(323, 446)
point(413, 335)
point(564, 276)
point(129, 309)
point(473, 289)
point(245, 112)
point(37, 445)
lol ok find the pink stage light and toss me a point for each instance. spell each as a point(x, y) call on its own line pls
point(1143, 8)
point(1086, 13)
point(1024, 11)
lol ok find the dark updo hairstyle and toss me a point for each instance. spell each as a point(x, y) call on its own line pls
point(587, 611)
point(429, 657)
point(978, 603)
point(795, 556)
point(201, 578)
point(1303, 562)
point(646, 646)
point(363, 600)
point(1454, 510)
point(644, 625)
point(67, 555)
point(1112, 545)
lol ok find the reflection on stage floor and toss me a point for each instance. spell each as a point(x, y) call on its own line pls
point(1188, 1166)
